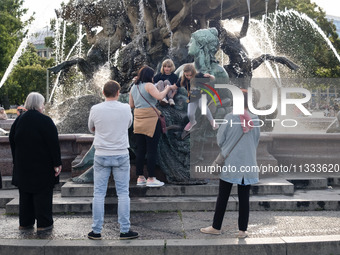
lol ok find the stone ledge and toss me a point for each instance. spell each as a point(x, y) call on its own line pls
point(279, 245)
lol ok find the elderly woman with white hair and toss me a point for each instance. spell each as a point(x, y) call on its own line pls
point(37, 163)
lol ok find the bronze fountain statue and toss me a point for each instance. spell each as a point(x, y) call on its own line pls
point(164, 29)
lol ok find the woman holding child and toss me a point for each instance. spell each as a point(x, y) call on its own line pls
point(147, 128)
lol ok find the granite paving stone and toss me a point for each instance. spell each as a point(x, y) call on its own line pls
point(182, 225)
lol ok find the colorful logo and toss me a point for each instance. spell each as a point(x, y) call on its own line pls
point(215, 92)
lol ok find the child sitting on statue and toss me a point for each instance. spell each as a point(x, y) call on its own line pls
point(167, 77)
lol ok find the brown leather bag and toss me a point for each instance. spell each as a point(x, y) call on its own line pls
point(161, 117)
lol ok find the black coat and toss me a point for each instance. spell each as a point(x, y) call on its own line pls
point(35, 150)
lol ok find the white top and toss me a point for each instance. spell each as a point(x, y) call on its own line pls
point(111, 120)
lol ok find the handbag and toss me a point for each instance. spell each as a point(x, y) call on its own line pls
point(219, 160)
point(195, 95)
point(161, 117)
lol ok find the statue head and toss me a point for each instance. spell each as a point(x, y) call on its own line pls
point(203, 46)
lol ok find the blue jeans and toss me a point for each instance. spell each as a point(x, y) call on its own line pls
point(120, 167)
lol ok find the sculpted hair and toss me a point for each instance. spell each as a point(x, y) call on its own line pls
point(187, 68)
point(34, 101)
point(208, 44)
point(170, 63)
point(145, 74)
point(111, 89)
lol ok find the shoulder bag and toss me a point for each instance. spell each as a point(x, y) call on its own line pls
point(219, 160)
point(160, 116)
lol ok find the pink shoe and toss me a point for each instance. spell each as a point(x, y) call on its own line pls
point(189, 126)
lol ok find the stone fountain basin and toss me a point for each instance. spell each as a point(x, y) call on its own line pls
point(274, 149)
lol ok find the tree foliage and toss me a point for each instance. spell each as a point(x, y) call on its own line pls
point(297, 37)
point(28, 75)
point(11, 33)
point(11, 30)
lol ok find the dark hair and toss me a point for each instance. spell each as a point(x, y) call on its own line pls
point(111, 89)
point(145, 74)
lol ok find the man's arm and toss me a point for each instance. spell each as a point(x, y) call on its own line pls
point(91, 122)
point(130, 116)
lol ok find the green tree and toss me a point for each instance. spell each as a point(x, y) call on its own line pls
point(296, 37)
point(11, 30)
point(28, 75)
point(11, 34)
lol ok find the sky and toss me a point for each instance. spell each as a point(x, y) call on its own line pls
point(332, 7)
point(45, 9)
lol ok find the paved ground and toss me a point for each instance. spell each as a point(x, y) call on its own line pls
point(183, 225)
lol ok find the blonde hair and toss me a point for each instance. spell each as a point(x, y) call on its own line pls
point(34, 101)
point(170, 63)
point(187, 68)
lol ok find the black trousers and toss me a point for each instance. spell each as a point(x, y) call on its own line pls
point(147, 146)
point(222, 201)
point(36, 206)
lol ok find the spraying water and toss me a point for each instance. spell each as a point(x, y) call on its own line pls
point(80, 36)
point(167, 23)
point(268, 45)
point(248, 4)
point(304, 17)
point(57, 40)
point(63, 43)
point(256, 42)
point(115, 61)
point(141, 26)
point(57, 79)
point(17, 55)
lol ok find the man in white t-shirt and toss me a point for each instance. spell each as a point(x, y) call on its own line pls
point(110, 121)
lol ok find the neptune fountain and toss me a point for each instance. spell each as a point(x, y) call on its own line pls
point(164, 29)
point(127, 34)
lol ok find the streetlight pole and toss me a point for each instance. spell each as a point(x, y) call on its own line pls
point(47, 84)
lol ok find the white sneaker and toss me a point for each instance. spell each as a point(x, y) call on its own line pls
point(165, 101)
point(154, 183)
point(141, 181)
point(171, 102)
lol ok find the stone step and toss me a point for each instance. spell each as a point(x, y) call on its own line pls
point(7, 182)
point(301, 200)
point(267, 186)
point(333, 180)
point(308, 182)
point(311, 245)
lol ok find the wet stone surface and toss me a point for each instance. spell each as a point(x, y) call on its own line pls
point(181, 225)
